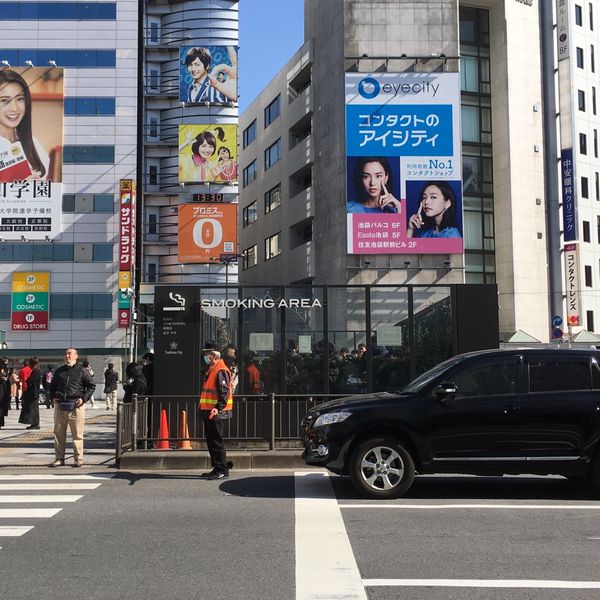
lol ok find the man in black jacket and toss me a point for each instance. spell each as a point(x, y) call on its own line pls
point(110, 387)
point(72, 386)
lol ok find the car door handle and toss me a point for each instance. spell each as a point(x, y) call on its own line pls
point(509, 409)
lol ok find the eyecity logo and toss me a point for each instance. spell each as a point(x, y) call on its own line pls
point(368, 88)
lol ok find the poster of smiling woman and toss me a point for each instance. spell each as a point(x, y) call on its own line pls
point(208, 74)
point(208, 153)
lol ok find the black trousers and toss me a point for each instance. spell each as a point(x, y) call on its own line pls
point(213, 429)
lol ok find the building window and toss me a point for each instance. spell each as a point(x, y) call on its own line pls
point(588, 276)
point(586, 231)
point(153, 175)
point(595, 143)
point(584, 188)
point(64, 58)
point(104, 203)
point(272, 111)
point(249, 134)
point(593, 100)
point(581, 100)
point(598, 228)
point(249, 174)
point(273, 246)
point(592, 59)
point(57, 11)
point(249, 214)
point(152, 223)
point(579, 52)
point(582, 143)
point(272, 154)
point(597, 182)
point(102, 253)
point(273, 198)
point(249, 258)
point(151, 272)
point(591, 17)
point(578, 15)
point(89, 106)
point(589, 314)
point(100, 155)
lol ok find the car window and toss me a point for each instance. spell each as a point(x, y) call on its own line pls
point(423, 380)
point(556, 375)
point(488, 379)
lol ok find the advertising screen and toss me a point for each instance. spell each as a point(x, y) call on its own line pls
point(31, 149)
point(403, 148)
point(208, 75)
point(208, 153)
point(206, 231)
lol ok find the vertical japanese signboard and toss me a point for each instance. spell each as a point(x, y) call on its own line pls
point(568, 195)
point(30, 301)
point(403, 147)
point(562, 28)
point(31, 152)
point(206, 231)
point(126, 243)
point(572, 285)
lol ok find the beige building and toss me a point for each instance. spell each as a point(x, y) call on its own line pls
point(292, 152)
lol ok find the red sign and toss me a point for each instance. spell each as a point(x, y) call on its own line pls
point(127, 225)
point(124, 317)
point(29, 321)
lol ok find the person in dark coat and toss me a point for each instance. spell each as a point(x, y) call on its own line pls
point(30, 412)
point(4, 390)
point(137, 385)
point(148, 371)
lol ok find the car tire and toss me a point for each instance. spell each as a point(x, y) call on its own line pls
point(381, 468)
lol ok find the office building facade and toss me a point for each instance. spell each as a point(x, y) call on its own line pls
point(293, 154)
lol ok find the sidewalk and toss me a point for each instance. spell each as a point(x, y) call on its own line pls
point(35, 448)
point(22, 448)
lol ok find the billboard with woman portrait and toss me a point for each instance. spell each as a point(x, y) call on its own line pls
point(403, 148)
point(208, 75)
point(208, 153)
point(31, 149)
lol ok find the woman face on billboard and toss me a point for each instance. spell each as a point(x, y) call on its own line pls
point(373, 183)
point(205, 150)
point(12, 110)
point(436, 216)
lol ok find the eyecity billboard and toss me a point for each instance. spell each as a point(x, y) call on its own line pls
point(403, 149)
point(31, 149)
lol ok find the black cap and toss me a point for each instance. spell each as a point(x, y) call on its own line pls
point(209, 347)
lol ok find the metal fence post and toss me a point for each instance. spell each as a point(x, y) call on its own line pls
point(119, 440)
point(272, 436)
point(134, 423)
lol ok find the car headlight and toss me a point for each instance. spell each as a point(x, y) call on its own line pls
point(330, 418)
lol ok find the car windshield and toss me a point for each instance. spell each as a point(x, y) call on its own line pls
point(423, 380)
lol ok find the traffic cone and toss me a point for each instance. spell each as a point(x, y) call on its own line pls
point(163, 433)
point(184, 444)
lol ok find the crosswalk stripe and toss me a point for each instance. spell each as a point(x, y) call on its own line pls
point(11, 531)
point(36, 499)
point(28, 513)
point(49, 486)
point(52, 476)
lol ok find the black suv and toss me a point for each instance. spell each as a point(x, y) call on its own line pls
point(493, 412)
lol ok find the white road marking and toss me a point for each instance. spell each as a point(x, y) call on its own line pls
point(325, 565)
point(49, 486)
point(34, 498)
point(28, 513)
point(14, 531)
point(484, 583)
point(52, 476)
point(485, 506)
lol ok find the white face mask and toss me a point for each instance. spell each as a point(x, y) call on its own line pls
point(206, 359)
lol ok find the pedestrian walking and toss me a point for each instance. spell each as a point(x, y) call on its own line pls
point(86, 365)
point(46, 381)
point(110, 387)
point(23, 376)
point(4, 390)
point(216, 403)
point(71, 387)
point(13, 378)
point(148, 370)
point(30, 411)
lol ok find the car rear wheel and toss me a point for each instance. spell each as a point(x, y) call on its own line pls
point(381, 468)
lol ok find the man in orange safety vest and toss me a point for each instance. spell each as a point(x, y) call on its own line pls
point(216, 402)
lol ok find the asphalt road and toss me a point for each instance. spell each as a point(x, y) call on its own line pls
point(279, 535)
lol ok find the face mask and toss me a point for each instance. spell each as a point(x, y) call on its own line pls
point(206, 359)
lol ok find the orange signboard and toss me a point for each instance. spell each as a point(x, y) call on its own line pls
point(206, 231)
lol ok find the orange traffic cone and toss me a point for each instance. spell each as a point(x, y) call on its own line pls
point(184, 444)
point(163, 433)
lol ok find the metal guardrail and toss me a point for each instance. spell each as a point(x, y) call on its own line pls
point(258, 421)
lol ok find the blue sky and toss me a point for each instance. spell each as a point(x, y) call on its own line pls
point(270, 32)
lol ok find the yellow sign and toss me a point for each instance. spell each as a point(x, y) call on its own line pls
point(124, 280)
point(31, 282)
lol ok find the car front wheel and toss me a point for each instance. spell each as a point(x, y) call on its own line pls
point(381, 468)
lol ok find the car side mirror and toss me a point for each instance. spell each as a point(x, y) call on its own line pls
point(445, 390)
